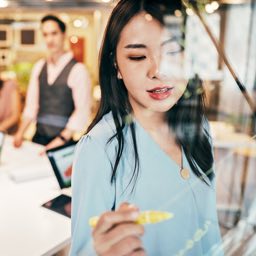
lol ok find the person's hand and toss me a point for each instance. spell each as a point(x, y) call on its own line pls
point(56, 142)
point(18, 139)
point(2, 129)
point(116, 233)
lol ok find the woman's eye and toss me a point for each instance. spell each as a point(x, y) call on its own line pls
point(137, 58)
point(173, 52)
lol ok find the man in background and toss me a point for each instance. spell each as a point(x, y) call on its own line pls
point(58, 96)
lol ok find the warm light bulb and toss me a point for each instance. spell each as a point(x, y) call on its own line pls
point(73, 39)
point(177, 13)
point(209, 8)
point(215, 5)
point(189, 12)
point(77, 23)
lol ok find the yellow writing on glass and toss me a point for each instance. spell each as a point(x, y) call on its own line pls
point(196, 238)
point(145, 217)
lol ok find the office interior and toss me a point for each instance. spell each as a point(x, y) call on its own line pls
point(27, 180)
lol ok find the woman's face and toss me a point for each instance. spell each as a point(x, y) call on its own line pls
point(150, 63)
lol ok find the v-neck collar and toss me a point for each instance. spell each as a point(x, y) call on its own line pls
point(63, 60)
point(140, 131)
point(58, 76)
point(156, 146)
point(143, 135)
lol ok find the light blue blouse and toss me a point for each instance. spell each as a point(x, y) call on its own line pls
point(194, 229)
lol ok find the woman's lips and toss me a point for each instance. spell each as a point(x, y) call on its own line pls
point(160, 93)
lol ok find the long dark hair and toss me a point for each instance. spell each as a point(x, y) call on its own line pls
point(185, 118)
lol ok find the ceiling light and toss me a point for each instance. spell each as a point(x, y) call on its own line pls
point(81, 22)
point(209, 8)
point(189, 12)
point(73, 39)
point(177, 13)
point(215, 5)
point(105, 1)
point(77, 23)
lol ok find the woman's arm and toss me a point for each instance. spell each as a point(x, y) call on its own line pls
point(94, 195)
point(15, 112)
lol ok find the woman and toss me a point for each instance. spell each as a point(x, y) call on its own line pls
point(148, 147)
point(9, 106)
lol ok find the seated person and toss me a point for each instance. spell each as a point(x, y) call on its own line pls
point(9, 106)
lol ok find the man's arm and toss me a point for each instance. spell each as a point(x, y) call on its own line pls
point(60, 140)
point(32, 104)
point(80, 84)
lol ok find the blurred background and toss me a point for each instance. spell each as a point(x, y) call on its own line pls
point(232, 121)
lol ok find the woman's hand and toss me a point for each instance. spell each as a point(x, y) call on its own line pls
point(116, 233)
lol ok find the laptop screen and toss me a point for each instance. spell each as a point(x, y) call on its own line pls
point(61, 159)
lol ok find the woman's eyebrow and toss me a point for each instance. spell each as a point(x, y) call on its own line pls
point(172, 39)
point(134, 46)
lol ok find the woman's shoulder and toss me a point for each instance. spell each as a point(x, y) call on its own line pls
point(93, 148)
point(104, 129)
point(101, 132)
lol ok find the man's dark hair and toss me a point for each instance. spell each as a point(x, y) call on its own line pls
point(60, 23)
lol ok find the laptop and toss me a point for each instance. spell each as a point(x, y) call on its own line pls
point(61, 159)
point(1, 143)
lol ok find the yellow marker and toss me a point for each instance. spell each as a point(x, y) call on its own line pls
point(146, 217)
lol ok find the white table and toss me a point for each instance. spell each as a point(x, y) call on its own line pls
point(26, 228)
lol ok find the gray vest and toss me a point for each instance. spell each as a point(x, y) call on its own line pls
point(55, 102)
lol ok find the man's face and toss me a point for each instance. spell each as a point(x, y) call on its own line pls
point(53, 36)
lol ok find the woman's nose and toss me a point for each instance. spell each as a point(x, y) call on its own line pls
point(154, 71)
